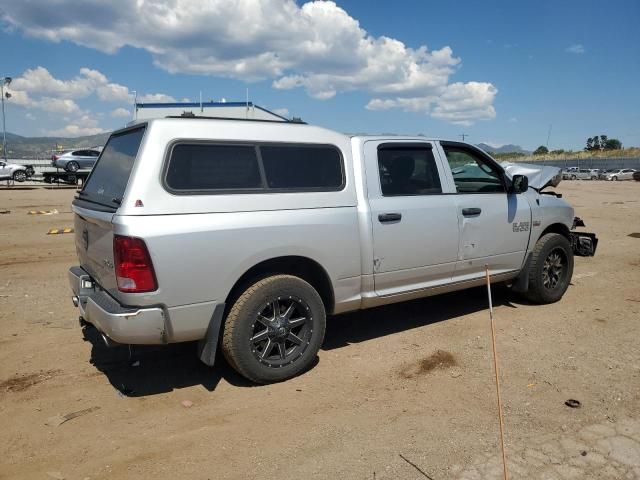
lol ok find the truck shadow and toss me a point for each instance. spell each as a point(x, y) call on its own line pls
point(363, 325)
point(151, 370)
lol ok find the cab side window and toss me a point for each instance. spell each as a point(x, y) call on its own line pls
point(407, 171)
point(471, 173)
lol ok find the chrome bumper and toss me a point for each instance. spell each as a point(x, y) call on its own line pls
point(128, 325)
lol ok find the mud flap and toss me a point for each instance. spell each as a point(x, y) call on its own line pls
point(521, 282)
point(208, 346)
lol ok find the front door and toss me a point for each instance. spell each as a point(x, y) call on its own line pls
point(494, 224)
point(414, 225)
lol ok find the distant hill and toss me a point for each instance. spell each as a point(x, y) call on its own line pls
point(41, 147)
point(509, 148)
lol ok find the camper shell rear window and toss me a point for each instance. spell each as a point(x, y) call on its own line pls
point(108, 179)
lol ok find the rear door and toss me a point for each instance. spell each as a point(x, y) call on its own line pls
point(414, 225)
point(98, 201)
point(494, 225)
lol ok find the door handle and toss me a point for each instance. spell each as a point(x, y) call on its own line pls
point(389, 217)
point(470, 212)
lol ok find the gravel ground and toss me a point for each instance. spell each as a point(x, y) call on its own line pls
point(394, 386)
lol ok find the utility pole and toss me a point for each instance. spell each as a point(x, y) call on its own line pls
point(463, 136)
point(135, 104)
point(549, 135)
point(4, 83)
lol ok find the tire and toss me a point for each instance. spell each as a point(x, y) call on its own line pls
point(20, 176)
point(550, 270)
point(615, 179)
point(573, 177)
point(594, 178)
point(259, 341)
point(72, 166)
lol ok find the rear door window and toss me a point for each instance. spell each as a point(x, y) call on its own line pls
point(109, 177)
point(407, 170)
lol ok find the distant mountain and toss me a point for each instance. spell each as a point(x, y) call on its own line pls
point(41, 147)
point(503, 149)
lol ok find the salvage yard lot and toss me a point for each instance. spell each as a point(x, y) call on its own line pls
point(412, 379)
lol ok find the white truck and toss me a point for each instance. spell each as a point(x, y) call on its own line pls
point(246, 234)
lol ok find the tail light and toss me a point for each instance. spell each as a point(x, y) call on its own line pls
point(54, 157)
point(134, 270)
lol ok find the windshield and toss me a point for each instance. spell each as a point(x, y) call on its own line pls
point(109, 177)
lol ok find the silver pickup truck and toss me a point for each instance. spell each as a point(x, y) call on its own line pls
point(246, 234)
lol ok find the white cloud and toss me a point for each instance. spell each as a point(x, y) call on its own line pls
point(86, 125)
point(576, 48)
point(316, 46)
point(513, 120)
point(458, 103)
point(30, 116)
point(121, 113)
point(156, 98)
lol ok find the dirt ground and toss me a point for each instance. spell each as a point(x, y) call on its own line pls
point(394, 386)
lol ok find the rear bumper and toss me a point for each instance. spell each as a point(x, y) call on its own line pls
point(128, 325)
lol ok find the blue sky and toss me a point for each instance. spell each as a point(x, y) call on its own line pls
point(501, 72)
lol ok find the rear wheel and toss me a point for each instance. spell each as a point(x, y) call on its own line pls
point(550, 270)
point(72, 166)
point(615, 179)
point(19, 175)
point(274, 330)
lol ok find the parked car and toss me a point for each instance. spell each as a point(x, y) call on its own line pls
point(622, 174)
point(570, 173)
point(246, 234)
point(16, 172)
point(603, 173)
point(83, 159)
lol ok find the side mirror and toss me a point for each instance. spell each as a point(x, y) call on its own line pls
point(519, 184)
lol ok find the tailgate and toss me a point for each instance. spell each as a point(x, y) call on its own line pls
point(94, 245)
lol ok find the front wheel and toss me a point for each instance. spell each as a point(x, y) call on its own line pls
point(19, 175)
point(573, 177)
point(72, 166)
point(615, 179)
point(274, 329)
point(550, 269)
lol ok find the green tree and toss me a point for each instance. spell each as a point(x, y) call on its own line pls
point(613, 144)
point(589, 146)
point(541, 150)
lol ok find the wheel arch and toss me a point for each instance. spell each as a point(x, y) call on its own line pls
point(560, 228)
point(303, 267)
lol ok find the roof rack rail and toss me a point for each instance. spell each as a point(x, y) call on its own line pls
point(183, 116)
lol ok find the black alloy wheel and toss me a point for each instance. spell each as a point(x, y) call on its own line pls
point(281, 331)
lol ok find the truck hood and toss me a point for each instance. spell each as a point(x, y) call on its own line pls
point(540, 176)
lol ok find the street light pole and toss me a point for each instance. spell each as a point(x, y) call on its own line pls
point(5, 82)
